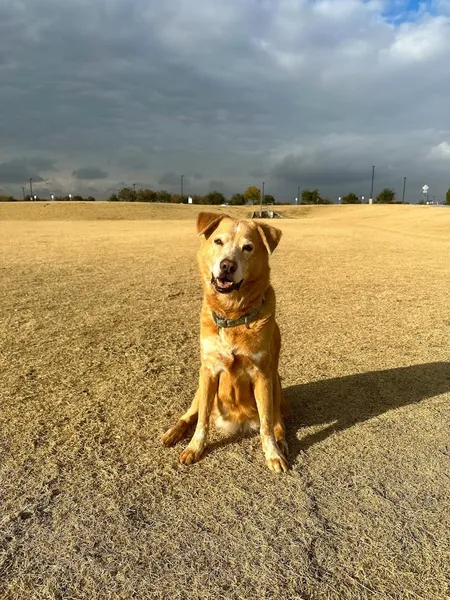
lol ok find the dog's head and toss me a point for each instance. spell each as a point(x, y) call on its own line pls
point(234, 253)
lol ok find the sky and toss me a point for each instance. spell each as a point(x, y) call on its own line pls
point(309, 93)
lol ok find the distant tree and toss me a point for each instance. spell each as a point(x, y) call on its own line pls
point(90, 199)
point(447, 197)
point(310, 197)
point(176, 199)
point(215, 198)
point(127, 194)
point(351, 199)
point(269, 199)
point(77, 198)
point(386, 196)
point(146, 196)
point(252, 195)
point(237, 200)
point(112, 198)
point(5, 198)
point(163, 196)
point(325, 201)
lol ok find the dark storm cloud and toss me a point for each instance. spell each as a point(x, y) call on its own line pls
point(134, 163)
point(172, 179)
point(17, 171)
point(238, 90)
point(219, 186)
point(90, 173)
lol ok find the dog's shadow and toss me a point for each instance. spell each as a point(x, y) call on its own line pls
point(343, 402)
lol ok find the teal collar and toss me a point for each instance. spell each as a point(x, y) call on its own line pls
point(245, 320)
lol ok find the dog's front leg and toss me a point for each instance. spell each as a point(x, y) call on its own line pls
point(263, 387)
point(206, 391)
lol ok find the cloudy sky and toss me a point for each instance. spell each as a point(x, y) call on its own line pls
point(310, 93)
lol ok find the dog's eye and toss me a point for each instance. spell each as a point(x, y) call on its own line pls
point(247, 248)
point(218, 241)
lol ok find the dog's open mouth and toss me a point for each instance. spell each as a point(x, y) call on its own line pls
point(223, 285)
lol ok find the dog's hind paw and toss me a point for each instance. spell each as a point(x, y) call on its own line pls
point(282, 445)
point(175, 433)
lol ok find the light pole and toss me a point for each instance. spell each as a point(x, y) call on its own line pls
point(182, 177)
point(31, 188)
point(404, 188)
point(373, 177)
point(23, 191)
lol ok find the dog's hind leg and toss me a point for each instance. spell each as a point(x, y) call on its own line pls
point(279, 408)
point(179, 430)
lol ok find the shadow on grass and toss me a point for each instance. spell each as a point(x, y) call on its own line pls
point(345, 401)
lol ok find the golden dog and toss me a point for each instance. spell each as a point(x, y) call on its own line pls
point(239, 384)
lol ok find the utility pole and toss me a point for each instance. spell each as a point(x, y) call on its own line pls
point(262, 197)
point(373, 177)
point(404, 188)
point(23, 191)
point(298, 195)
point(31, 188)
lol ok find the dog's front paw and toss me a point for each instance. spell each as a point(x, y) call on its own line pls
point(190, 455)
point(279, 465)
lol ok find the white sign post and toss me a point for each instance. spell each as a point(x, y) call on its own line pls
point(425, 189)
point(189, 200)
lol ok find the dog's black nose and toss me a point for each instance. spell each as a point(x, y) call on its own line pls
point(228, 267)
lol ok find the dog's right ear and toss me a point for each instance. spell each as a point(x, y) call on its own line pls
point(207, 222)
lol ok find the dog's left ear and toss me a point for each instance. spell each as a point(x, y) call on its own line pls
point(207, 222)
point(269, 235)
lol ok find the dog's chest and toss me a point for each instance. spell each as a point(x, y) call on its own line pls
point(224, 351)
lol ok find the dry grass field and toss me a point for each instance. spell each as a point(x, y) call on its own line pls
point(99, 353)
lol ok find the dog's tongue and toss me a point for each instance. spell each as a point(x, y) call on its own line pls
point(223, 283)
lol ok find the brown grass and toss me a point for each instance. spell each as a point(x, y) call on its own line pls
point(99, 353)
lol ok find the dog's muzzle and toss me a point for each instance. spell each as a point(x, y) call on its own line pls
point(224, 285)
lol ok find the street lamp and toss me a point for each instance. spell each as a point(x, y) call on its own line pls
point(373, 177)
